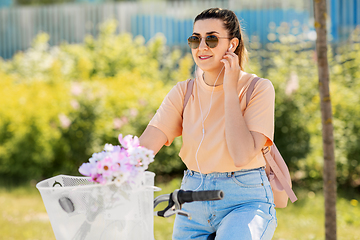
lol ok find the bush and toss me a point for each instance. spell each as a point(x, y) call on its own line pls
point(61, 104)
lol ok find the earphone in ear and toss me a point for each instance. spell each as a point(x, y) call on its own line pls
point(231, 46)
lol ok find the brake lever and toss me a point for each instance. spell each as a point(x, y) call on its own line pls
point(183, 213)
point(173, 207)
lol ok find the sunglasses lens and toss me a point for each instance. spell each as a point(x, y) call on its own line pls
point(194, 42)
point(212, 41)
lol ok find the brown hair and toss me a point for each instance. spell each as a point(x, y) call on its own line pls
point(232, 25)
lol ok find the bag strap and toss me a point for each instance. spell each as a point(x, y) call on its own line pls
point(190, 85)
point(251, 89)
point(277, 171)
point(266, 152)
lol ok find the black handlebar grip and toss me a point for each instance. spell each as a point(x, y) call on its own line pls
point(190, 196)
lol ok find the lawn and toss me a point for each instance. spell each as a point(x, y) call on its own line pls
point(23, 216)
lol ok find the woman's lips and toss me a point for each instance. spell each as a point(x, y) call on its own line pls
point(204, 57)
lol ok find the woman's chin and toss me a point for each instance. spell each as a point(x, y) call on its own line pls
point(211, 69)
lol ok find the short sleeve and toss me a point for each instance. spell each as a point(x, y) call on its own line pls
point(168, 117)
point(259, 114)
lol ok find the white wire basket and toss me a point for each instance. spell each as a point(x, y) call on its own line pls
point(80, 210)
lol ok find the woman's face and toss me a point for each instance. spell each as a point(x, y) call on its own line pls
point(208, 59)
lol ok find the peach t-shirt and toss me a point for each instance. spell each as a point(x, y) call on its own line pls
point(213, 154)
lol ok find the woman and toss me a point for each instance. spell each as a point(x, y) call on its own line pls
point(222, 138)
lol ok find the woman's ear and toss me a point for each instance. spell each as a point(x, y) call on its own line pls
point(234, 43)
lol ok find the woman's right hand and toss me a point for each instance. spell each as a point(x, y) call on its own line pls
point(232, 71)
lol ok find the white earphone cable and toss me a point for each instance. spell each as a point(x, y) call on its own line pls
point(203, 124)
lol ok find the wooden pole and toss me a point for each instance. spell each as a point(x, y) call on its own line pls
point(329, 175)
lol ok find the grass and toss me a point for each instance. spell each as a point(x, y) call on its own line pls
point(305, 218)
point(23, 216)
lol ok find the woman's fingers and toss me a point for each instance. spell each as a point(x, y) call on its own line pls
point(233, 58)
point(226, 63)
point(232, 61)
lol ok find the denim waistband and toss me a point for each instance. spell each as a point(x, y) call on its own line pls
point(224, 174)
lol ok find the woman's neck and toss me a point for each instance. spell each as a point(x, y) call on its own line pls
point(214, 77)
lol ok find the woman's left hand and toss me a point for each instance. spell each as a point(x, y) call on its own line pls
point(232, 70)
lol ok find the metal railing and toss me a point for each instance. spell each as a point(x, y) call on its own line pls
point(72, 22)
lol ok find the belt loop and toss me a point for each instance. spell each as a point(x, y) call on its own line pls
point(262, 170)
point(229, 174)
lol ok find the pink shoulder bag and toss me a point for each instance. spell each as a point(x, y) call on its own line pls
point(276, 168)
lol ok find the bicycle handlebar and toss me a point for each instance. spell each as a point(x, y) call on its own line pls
point(179, 197)
point(191, 196)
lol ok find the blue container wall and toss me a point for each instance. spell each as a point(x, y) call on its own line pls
point(6, 3)
point(345, 16)
point(254, 22)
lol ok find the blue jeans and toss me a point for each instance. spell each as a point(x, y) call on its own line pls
point(246, 211)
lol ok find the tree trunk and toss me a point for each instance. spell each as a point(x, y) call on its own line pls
point(329, 174)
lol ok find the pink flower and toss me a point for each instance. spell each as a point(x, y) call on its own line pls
point(98, 178)
point(104, 166)
point(88, 169)
point(128, 141)
point(85, 169)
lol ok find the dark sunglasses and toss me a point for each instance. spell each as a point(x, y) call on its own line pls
point(210, 40)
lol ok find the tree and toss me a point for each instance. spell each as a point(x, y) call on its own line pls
point(326, 116)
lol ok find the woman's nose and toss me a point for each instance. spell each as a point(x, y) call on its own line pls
point(202, 44)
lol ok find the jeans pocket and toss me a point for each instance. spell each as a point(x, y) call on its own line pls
point(270, 230)
point(248, 179)
point(184, 179)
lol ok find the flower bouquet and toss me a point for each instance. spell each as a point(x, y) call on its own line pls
point(119, 164)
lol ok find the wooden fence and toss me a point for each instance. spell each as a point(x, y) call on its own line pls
point(72, 22)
